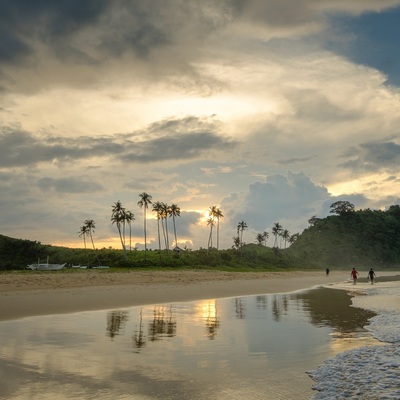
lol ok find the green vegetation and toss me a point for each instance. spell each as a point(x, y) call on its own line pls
point(17, 253)
point(363, 238)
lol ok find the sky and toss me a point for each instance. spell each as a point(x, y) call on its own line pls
point(270, 110)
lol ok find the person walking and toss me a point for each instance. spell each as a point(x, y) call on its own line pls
point(354, 275)
point(371, 276)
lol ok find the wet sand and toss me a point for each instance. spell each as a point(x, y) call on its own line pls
point(28, 293)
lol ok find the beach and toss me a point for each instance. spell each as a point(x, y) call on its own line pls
point(99, 327)
point(29, 293)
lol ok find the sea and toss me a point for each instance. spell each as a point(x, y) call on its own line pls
point(334, 342)
point(367, 372)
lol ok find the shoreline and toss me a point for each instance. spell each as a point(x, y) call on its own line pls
point(24, 295)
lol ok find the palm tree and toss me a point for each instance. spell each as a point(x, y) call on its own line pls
point(84, 231)
point(145, 200)
point(129, 217)
point(118, 218)
point(175, 211)
point(210, 222)
point(285, 236)
point(90, 225)
point(216, 213)
point(236, 242)
point(261, 238)
point(265, 237)
point(240, 228)
point(293, 238)
point(165, 211)
point(276, 231)
point(157, 207)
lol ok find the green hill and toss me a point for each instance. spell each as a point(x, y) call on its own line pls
point(364, 238)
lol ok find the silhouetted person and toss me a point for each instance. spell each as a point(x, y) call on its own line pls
point(354, 275)
point(371, 276)
point(327, 271)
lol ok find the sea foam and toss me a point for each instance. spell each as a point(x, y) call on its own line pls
point(371, 372)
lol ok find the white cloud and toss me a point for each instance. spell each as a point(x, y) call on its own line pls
point(189, 104)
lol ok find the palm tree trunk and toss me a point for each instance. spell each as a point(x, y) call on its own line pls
point(91, 238)
point(145, 238)
point(210, 238)
point(217, 233)
point(122, 241)
point(166, 233)
point(130, 236)
point(173, 220)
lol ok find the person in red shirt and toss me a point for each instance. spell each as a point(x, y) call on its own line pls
point(354, 275)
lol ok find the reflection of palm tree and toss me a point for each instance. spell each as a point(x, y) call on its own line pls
point(139, 336)
point(118, 218)
point(175, 211)
point(162, 325)
point(145, 200)
point(115, 321)
point(240, 309)
point(212, 320)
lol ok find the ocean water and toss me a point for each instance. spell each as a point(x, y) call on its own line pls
point(371, 372)
point(252, 347)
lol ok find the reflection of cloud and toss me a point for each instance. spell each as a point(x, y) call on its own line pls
point(342, 343)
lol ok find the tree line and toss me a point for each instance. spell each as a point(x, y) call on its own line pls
point(122, 218)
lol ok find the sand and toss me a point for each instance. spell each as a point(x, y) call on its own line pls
point(28, 293)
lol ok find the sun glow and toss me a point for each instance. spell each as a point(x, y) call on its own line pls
point(374, 186)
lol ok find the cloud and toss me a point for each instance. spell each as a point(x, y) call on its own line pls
point(293, 197)
point(78, 43)
point(169, 140)
point(189, 101)
point(374, 156)
point(69, 185)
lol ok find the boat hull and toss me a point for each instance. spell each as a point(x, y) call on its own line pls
point(46, 267)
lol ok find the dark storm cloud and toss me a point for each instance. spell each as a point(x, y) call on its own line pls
point(373, 157)
point(179, 147)
point(169, 140)
point(21, 148)
point(22, 21)
point(70, 27)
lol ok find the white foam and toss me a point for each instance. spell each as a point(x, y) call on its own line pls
point(371, 372)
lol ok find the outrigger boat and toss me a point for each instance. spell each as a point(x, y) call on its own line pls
point(46, 266)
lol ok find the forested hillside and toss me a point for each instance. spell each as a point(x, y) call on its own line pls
point(350, 238)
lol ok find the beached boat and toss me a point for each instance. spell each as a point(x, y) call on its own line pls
point(46, 266)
